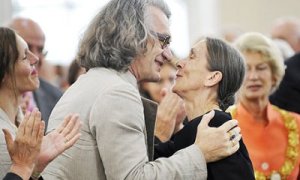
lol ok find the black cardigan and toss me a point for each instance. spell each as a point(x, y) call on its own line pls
point(235, 167)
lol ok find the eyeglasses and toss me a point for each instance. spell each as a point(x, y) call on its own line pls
point(164, 39)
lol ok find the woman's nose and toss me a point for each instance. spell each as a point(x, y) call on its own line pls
point(252, 74)
point(180, 64)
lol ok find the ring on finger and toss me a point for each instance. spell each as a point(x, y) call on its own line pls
point(232, 135)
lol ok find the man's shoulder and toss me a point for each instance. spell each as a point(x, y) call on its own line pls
point(109, 78)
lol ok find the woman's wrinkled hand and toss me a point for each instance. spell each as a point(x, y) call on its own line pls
point(25, 148)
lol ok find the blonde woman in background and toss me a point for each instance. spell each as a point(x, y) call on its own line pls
point(271, 134)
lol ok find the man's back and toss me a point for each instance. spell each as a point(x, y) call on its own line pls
point(86, 97)
point(113, 142)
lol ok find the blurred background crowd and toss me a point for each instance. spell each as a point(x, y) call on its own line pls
point(258, 28)
point(64, 21)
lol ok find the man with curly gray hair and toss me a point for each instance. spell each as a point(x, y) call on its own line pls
point(126, 43)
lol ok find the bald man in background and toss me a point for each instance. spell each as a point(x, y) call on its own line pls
point(288, 29)
point(287, 96)
point(47, 95)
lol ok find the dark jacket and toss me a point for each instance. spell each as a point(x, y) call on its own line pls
point(287, 96)
point(46, 97)
point(150, 109)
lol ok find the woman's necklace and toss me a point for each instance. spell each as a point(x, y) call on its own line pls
point(292, 151)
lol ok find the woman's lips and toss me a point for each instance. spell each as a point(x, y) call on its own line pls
point(254, 87)
point(34, 72)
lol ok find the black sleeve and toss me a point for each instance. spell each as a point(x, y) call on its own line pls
point(40, 178)
point(12, 176)
point(235, 167)
point(163, 149)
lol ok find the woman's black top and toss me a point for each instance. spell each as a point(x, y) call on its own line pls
point(235, 167)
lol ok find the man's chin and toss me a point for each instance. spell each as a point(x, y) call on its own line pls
point(152, 79)
point(156, 78)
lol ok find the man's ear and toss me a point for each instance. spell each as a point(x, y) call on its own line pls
point(213, 78)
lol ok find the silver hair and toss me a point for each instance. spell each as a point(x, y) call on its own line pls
point(228, 60)
point(118, 34)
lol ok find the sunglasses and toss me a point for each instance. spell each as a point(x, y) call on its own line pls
point(164, 39)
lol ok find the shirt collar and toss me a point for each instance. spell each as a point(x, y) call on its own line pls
point(272, 115)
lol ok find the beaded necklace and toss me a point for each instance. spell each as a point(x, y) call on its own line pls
point(292, 151)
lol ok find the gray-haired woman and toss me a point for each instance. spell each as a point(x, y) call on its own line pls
point(207, 81)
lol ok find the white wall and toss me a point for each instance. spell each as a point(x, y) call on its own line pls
point(212, 16)
point(195, 18)
point(256, 15)
point(5, 11)
point(203, 18)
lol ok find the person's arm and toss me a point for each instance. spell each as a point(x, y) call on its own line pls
point(30, 152)
point(170, 115)
point(57, 141)
point(12, 176)
point(235, 166)
point(215, 143)
point(26, 146)
point(163, 149)
point(122, 143)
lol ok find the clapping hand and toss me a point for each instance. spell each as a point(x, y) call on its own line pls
point(25, 148)
point(58, 140)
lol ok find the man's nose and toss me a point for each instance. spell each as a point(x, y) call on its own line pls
point(167, 54)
